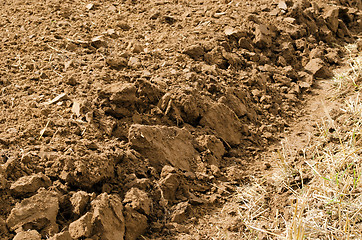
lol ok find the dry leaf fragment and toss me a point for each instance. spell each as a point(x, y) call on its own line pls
point(283, 6)
point(90, 6)
point(76, 108)
point(229, 31)
point(60, 97)
point(43, 130)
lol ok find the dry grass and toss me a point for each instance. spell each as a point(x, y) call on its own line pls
point(329, 206)
point(349, 81)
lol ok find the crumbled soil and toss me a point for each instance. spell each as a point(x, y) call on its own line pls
point(139, 117)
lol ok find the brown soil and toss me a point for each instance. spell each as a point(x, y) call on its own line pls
point(135, 119)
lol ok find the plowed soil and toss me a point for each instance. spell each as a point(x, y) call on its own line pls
point(134, 119)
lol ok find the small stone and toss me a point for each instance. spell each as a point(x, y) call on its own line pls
point(274, 12)
point(122, 99)
point(81, 227)
point(89, 170)
point(76, 108)
point(332, 57)
point(27, 235)
point(112, 33)
point(304, 85)
point(209, 69)
point(68, 64)
point(316, 53)
point(194, 200)
point(120, 93)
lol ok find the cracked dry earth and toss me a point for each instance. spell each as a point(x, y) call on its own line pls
point(135, 119)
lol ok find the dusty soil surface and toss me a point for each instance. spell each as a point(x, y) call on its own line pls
point(133, 119)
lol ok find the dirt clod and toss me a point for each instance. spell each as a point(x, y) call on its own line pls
point(318, 68)
point(180, 212)
point(30, 184)
point(195, 51)
point(39, 212)
point(224, 122)
point(136, 224)
point(164, 145)
point(62, 236)
point(27, 235)
point(79, 201)
point(138, 200)
point(82, 227)
point(107, 218)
